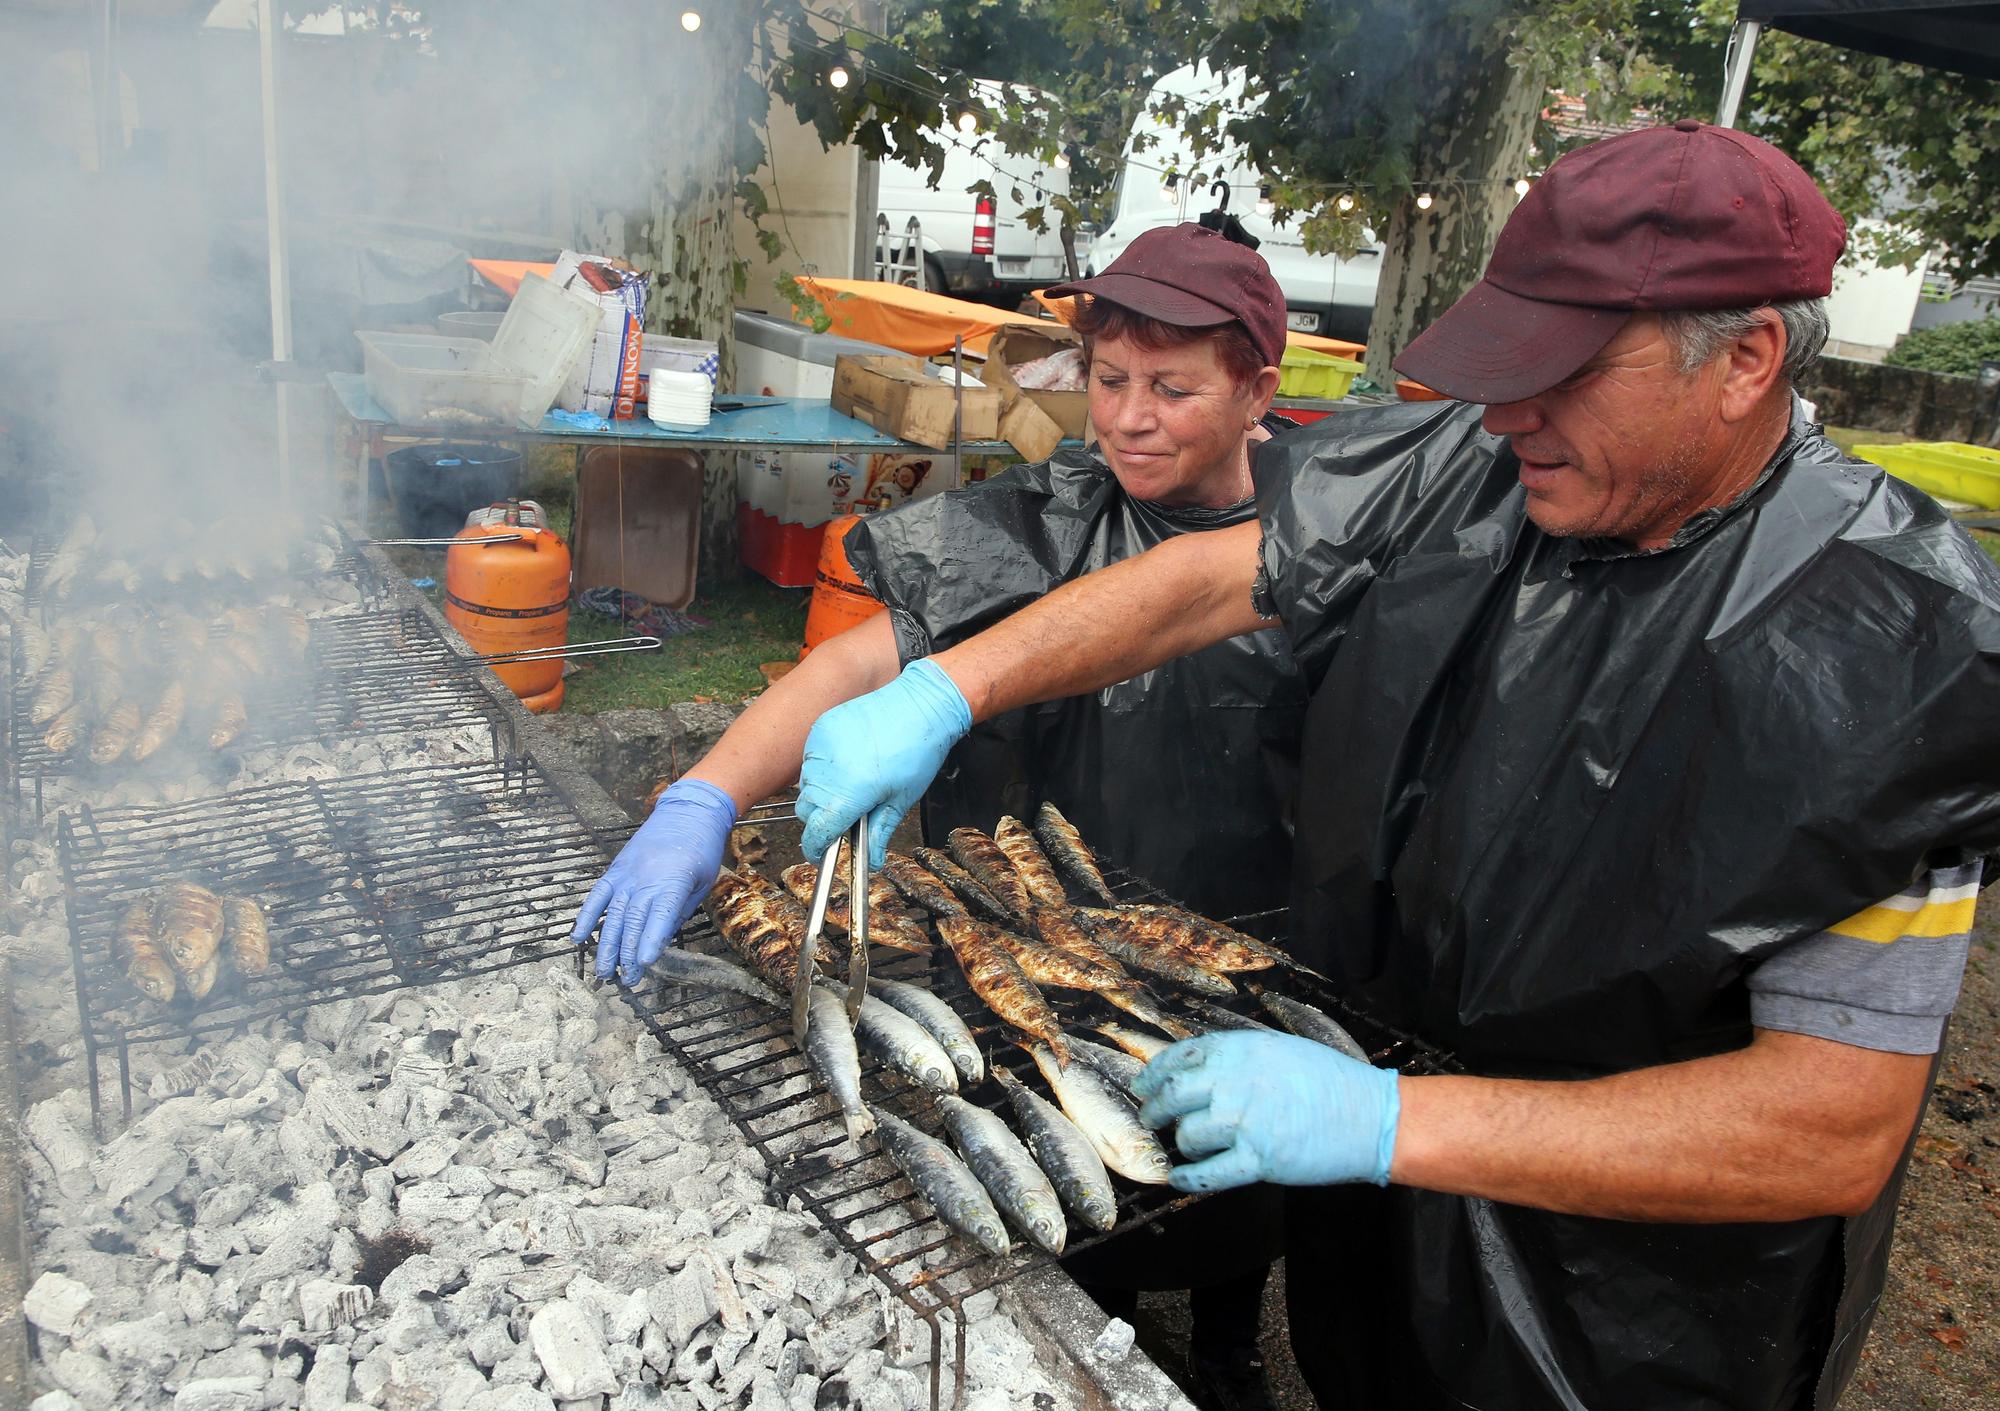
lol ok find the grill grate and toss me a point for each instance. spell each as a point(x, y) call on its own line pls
point(743, 1055)
point(373, 883)
point(366, 674)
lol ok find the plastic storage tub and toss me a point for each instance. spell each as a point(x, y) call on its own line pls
point(1950, 470)
point(1304, 373)
point(427, 380)
point(434, 487)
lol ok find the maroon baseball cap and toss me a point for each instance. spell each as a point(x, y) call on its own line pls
point(1191, 277)
point(1683, 217)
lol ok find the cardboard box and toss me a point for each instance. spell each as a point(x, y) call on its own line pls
point(1062, 415)
point(606, 380)
point(893, 394)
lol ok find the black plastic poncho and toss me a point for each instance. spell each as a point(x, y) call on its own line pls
point(1181, 774)
point(1559, 798)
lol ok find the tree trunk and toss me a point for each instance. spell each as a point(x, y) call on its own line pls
point(1431, 257)
point(676, 221)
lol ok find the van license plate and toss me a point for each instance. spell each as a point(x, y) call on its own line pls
point(1302, 321)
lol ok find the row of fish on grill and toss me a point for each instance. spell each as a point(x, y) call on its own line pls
point(1001, 907)
point(181, 938)
point(150, 555)
point(118, 683)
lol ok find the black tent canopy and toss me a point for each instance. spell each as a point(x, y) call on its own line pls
point(1961, 37)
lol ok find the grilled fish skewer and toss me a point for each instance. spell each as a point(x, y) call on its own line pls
point(1071, 855)
point(997, 979)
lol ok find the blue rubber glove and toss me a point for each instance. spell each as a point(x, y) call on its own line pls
point(876, 755)
point(657, 879)
point(1257, 1106)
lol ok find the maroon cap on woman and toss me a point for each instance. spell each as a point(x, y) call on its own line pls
point(1189, 276)
point(1681, 217)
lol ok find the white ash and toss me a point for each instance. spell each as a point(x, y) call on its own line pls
point(598, 1233)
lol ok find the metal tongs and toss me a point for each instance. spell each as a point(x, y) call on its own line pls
point(857, 929)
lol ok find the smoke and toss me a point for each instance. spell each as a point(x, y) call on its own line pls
point(134, 293)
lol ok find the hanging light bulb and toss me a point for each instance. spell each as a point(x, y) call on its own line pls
point(1062, 161)
point(690, 20)
point(968, 123)
point(1345, 203)
point(837, 76)
point(1521, 187)
point(1424, 201)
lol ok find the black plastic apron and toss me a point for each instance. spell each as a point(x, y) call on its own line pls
point(1558, 801)
point(1181, 775)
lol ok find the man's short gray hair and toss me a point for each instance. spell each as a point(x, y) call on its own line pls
point(1699, 335)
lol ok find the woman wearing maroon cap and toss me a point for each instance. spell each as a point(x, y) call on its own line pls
point(1184, 333)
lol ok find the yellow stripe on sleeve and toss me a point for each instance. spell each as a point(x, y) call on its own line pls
point(1883, 924)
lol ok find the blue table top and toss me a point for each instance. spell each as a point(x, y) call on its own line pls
point(796, 422)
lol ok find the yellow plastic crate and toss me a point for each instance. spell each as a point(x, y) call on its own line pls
point(1950, 470)
point(1304, 373)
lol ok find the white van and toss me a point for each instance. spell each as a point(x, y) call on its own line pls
point(1323, 293)
point(974, 244)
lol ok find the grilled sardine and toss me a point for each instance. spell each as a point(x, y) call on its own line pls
point(137, 947)
point(1035, 870)
point(161, 721)
point(978, 901)
point(1004, 1166)
point(944, 1183)
point(1106, 1116)
point(1064, 1153)
point(228, 720)
point(1058, 926)
point(1071, 855)
point(923, 887)
point(54, 696)
point(204, 977)
point(65, 732)
point(763, 926)
point(998, 980)
point(190, 925)
point(247, 935)
point(1046, 965)
point(1143, 1047)
point(981, 856)
point(115, 732)
point(887, 925)
point(1138, 942)
point(939, 1020)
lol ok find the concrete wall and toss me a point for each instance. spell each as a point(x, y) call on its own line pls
point(1924, 406)
point(1871, 306)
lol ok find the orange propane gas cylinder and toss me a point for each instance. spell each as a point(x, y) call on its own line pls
point(839, 600)
point(511, 597)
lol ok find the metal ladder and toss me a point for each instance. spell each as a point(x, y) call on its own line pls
point(899, 259)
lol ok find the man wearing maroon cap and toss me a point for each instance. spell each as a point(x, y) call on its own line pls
point(1649, 774)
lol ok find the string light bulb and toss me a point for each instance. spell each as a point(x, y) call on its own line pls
point(968, 123)
point(1062, 161)
point(1521, 187)
point(1345, 203)
point(1424, 201)
point(690, 20)
point(837, 76)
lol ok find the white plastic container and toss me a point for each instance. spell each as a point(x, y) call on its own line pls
point(430, 381)
point(680, 401)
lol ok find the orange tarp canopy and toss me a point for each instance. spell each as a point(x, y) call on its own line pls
point(908, 320)
point(507, 273)
point(1064, 307)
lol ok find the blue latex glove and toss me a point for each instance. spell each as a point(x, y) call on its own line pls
point(1257, 1106)
point(657, 879)
point(876, 755)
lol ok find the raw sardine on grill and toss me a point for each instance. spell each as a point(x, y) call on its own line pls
point(687, 967)
point(944, 1182)
point(65, 732)
point(247, 935)
point(1106, 1116)
point(1064, 1153)
point(1144, 1047)
point(938, 1019)
point(137, 947)
point(831, 1051)
point(981, 857)
point(55, 694)
point(189, 918)
point(227, 721)
point(115, 731)
point(977, 900)
point(888, 925)
point(998, 980)
point(904, 1045)
point(1309, 1023)
point(1071, 855)
point(1008, 1171)
point(1036, 872)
